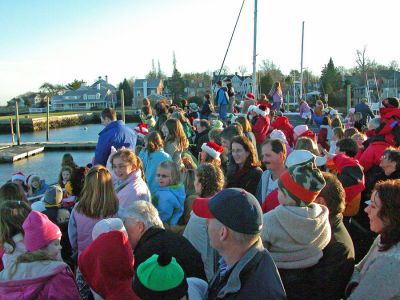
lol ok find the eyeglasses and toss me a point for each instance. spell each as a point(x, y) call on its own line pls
point(162, 176)
point(120, 166)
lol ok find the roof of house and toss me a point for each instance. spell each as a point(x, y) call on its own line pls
point(151, 83)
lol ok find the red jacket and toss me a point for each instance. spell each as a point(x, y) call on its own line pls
point(372, 155)
point(260, 129)
point(323, 138)
point(282, 123)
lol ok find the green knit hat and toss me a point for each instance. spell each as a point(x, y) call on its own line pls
point(160, 277)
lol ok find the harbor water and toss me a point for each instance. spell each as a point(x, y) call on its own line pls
point(47, 164)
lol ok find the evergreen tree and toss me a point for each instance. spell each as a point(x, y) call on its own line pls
point(175, 83)
point(74, 85)
point(266, 82)
point(331, 79)
point(153, 73)
point(128, 93)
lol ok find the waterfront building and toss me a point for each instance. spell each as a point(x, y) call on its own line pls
point(143, 88)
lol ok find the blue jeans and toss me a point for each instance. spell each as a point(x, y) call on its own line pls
point(222, 112)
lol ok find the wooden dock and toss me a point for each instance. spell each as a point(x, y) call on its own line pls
point(14, 153)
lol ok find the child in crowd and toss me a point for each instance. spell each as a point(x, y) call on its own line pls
point(12, 215)
point(37, 186)
point(187, 127)
point(360, 138)
point(12, 191)
point(19, 178)
point(337, 135)
point(107, 263)
point(336, 122)
point(207, 107)
point(214, 135)
point(175, 140)
point(39, 273)
point(303, 131)
point(151, 156)
point(98, 201)
point(305, 111)
point(147, 117)
point(65, 176)
point(193, 112)
point(74, 186)
point(128, 177)
point(211, 153)
point(350, 118)
point(325, 133)
point(68, 160)
point(169, 198)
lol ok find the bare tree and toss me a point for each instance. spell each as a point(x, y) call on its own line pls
point(242, 70)
point(363, 63)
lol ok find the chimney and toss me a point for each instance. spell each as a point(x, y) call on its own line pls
point(99, 77)
point(106, 78)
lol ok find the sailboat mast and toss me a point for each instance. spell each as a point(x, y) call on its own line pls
point(254, 89)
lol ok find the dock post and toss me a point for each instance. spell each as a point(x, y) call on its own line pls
point(12, 130)
point(48, 118)
point(123, 105)
point(17, 123)
point(348, 96)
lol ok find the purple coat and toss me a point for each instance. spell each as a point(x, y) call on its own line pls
point(39, 280)
point(132, 189)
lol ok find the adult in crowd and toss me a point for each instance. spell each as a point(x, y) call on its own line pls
point(147, 236)
point(261, 125)
point(175, 140)
point(231, 95)
point(211, 153)
point(226, 140)
point(273, 157)
point(209, 180)
point(202, 130)
point(207, 107)
point(245, 171)
point(276, 95)
point(247, 131)
point(222, 100)
point(377, 275)
point(246, 269)
point(322, 281)
point(318, 113)
point(115, 134)
point(248, 101)
point(151, 156)
point(364, 108)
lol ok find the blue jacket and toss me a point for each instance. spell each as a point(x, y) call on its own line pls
point(150, 164)
point(221, 97)
point(41, 190)
point(169, 201)
point(115, 134)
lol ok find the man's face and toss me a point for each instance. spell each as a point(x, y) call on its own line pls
point(214, 228)
point(270, 159)
point(135, 229)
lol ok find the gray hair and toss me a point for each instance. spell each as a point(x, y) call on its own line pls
point(375, 123)
point(142, 211)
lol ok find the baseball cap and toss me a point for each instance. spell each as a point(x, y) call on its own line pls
point(235, 208)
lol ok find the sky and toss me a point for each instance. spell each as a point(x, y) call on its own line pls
point(59, 41)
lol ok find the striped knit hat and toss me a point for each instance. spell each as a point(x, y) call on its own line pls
point(302, 183)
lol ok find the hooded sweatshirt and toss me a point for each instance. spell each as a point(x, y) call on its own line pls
point(169, 201)
point(295, 236)
point(38, 280)
point(107, 265)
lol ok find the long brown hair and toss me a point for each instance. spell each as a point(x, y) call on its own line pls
point(176, 134)
point(389, 193)
point(63, 169)
point(12, 214)
point(12, 191)
point(248, 146)
point(154, 142)
point(127, 155)
point(98, 198)
point(211, 179)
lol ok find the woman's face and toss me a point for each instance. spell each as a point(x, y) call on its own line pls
point(35, 183)
point(121, 168)
point(239, 154)
point(66, 175)
point(387, 165)
point(197, 185)
point(376, 224)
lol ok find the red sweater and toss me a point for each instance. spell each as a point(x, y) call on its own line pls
point(260, 129)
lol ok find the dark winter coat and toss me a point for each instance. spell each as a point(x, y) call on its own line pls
point(157, 240)
point(199, 140)
point(365, 110)
point(245, 179)
point(253, 277)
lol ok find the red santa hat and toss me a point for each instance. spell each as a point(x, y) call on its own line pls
point(141, 130)
point(18, 176)
point(212, 149)
point(250, 96)
point(262, 110)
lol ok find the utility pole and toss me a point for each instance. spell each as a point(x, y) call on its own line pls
point(301, 63)
point(123, 105)
point(254, 86)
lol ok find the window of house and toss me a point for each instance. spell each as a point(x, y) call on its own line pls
point(98, 96)
point(85, 97)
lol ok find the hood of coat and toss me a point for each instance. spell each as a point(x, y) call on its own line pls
point(305, 225)
point(178, 191)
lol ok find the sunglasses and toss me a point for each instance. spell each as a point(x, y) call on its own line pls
point(162, 176)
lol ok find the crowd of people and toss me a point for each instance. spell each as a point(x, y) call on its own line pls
point(222, 199)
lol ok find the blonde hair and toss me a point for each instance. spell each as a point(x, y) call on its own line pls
point(174, 169)
point(98, 198)
point(12, 214)
point(336, 122)
point(176, 134)
point(130, 157)
point(339, 132)
point(305, 143)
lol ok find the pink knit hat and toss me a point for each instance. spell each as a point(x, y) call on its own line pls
point(39, 231)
